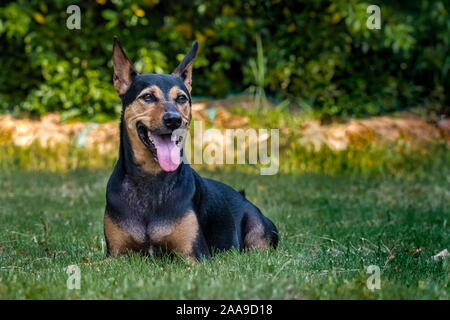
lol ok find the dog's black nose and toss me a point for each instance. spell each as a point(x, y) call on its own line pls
point(172, 120)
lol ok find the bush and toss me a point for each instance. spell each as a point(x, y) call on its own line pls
point(316, 53)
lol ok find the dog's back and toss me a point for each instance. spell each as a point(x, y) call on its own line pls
point(231, 220)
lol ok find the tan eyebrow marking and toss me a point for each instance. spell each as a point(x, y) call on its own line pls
point(154, 90)
point(184, 109)
point(175, 91)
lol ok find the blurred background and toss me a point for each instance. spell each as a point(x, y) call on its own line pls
point(317, 55)
point(313, 69)
point(364, 136)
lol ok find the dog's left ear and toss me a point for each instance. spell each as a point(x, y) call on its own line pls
point(184, 69)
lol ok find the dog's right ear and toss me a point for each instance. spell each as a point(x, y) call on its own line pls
point(124, 71)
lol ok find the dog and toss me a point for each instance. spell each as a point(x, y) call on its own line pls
point(154, 202)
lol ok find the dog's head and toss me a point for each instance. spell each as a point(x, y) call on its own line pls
point(156, 110)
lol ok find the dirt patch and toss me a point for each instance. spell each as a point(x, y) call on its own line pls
point(49, 131)
point(410, 129)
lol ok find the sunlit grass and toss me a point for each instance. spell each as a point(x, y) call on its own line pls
point(337, 213)
point(331, 229)
point(360, 157)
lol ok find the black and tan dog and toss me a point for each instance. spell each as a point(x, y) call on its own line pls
point(153, 200)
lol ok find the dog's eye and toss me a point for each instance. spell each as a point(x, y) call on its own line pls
point(148, 97)
point(181, 98)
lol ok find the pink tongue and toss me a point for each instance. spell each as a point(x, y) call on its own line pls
point(167, 152)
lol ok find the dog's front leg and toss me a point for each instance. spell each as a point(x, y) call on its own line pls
point(187, 239)
point(118, 241)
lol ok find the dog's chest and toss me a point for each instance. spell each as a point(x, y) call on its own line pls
point(155, 219)
point(159, 231)
point(158, 235)
point(174, 234)
point(180, 232)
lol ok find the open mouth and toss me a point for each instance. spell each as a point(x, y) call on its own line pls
point(165, 148)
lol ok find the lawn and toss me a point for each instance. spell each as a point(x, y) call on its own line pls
point(332, 227)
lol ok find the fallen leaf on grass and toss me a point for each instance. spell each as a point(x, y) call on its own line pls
point(444, 253)
point(390, 259)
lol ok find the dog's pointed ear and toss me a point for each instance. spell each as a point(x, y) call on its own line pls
point(124, 71)
point(184, 69)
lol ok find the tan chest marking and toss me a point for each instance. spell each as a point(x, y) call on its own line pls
point(119, 241)
point(179, 237)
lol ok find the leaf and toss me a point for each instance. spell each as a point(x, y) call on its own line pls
point(39, 18)
point(109, 14)
point(416, 252)
point(443, 254)
point(390, 259)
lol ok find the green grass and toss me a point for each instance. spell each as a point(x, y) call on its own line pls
point(331, 228)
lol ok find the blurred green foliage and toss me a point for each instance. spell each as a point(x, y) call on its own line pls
point(318, 54)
